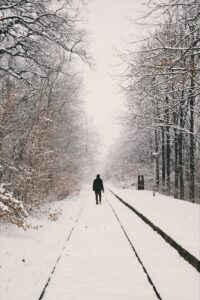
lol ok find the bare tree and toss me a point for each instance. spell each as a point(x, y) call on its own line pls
point(162, 88)
point(44, 141)
point(31, 32)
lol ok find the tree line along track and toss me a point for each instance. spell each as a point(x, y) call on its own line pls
point(191, 259)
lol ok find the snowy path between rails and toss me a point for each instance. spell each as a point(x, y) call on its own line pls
point(98, 262)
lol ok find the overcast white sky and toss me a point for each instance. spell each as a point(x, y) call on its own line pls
point(109, 29)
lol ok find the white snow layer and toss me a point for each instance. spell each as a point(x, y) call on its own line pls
point(98, 262)
point(27, 257)
point(174, 278)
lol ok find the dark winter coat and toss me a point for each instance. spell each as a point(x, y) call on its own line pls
point(98, 185)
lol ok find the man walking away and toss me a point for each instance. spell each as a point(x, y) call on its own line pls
point(97, 188)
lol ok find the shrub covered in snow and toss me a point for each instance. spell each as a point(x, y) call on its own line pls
point(11, 209)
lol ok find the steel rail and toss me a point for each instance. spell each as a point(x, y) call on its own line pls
point(191, 259)
point(135, 252)
point(60, 255)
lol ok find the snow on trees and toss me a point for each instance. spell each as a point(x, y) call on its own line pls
point(42, 121)
point(11, 209)
point(32, 31)
point(161, 83)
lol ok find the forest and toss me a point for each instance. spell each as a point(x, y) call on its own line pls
point(45, 141)
point(161, 84)
point(99, 149)
point(46, 144)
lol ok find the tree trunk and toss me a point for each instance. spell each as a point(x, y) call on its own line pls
point(157, 160)
point(168, 150)
point(180, 150)
point(163, 157)
point(192, 142)
point(176, 168)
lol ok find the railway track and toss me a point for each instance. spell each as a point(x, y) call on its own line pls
point(42, 295)
point(191, 259)
point(151, 282)
point(136, 253)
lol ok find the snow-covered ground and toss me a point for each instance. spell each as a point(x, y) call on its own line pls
point(173, 276)
point(98, 262)
point(179, 219)
point(27, 257)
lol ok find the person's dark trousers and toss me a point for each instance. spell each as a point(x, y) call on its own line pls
point(98, 197)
